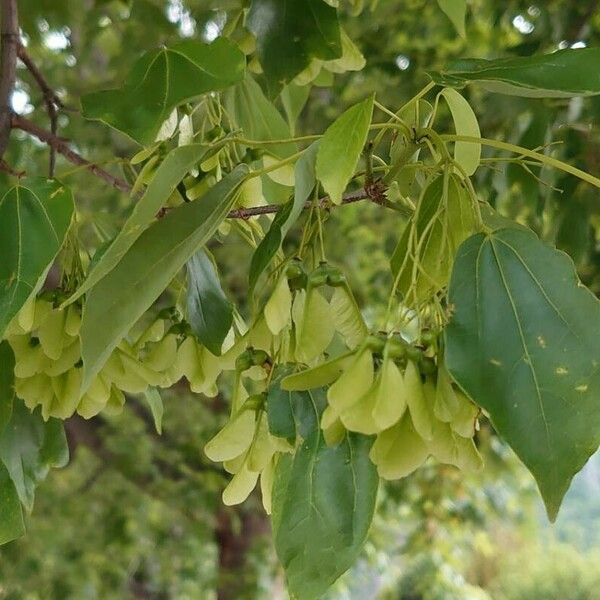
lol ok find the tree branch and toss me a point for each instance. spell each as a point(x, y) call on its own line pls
point(51, 100)
point(374, 192)
point(62, 147)
point(9, 38)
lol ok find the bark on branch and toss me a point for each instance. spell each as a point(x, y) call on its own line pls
point(9, 43)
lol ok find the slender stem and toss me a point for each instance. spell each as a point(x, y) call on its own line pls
point(276, 166)
point(542, 158)
point(63, 148)
point(9, 38)
point(417, 97)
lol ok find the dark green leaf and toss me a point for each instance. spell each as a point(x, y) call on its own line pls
point(162, 80)
point(290, 33)
point(341, 147)
point(34, 219)
point(209, 312)
point(122, 297)
point(269, 245)
point(11, 513)
point(323, 503)
point(523, 343)
point(562, 74)
point(168, 175)
point(29, 447)
point(7, 390)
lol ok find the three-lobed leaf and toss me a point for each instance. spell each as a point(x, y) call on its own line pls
point(34, 219)
point(523, 343)
point(123, 295)
point(162, 80)
point(290, 33)
point(562, 74)
point(341, 147)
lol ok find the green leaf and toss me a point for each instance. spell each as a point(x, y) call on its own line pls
point(11, 513)
point(341, 147)
point(294, 98)
point(209, 312)
point(305, 179)
point(122, 297)
point(562, 74)
point(29, 448)
point(162, 80)
point(321, 375)
point(523, 343)
point(155, 403)
point(280, 407)
point(467, 155)
point(166, 179)
point(258, 118)
point(268, 246)
point(290, 33)
point(323, 503)
point(34, 219)
point(456, 11)
point(7, 390)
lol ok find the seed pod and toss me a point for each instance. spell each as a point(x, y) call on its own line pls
point(116, 401)
point(162, 355)
point(421, 410)
point(267, 477)
point(29, 361)
point(70, 356)
point(26, 316)
point(73, 320)
point(464, 420)
point(96, 397)
point(52, 334)
point(353, 383)
point(391, 398)
point(234, 439)
point(347, 317)
point(66, 388)
point(314, 324)
point(446, 403)
point(239, 488)
point(279, 306)
point(399, 451)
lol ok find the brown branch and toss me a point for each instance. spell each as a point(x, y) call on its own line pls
point(51, 100)
point(9, 38)
point(62, 147)
point(374, 192)
point(49, 94)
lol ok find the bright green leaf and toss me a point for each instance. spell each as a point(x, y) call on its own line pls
point(341, 147)
point(209, 312)
point(162, 80)
point(122, 297)
point(34, 219)
point(562, 74)
point(168, 175)
point(523, 343)
point(467, 155)
point(290, 33)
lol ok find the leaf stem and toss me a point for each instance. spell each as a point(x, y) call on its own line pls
point(542, 158)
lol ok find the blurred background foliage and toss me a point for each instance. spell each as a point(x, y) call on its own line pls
point(138, 515)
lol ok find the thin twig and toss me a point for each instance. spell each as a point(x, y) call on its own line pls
point(374, 192)
point(62, 147)
point(9, 38)
point(51, 100)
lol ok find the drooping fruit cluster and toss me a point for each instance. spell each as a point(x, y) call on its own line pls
point(47, 349)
